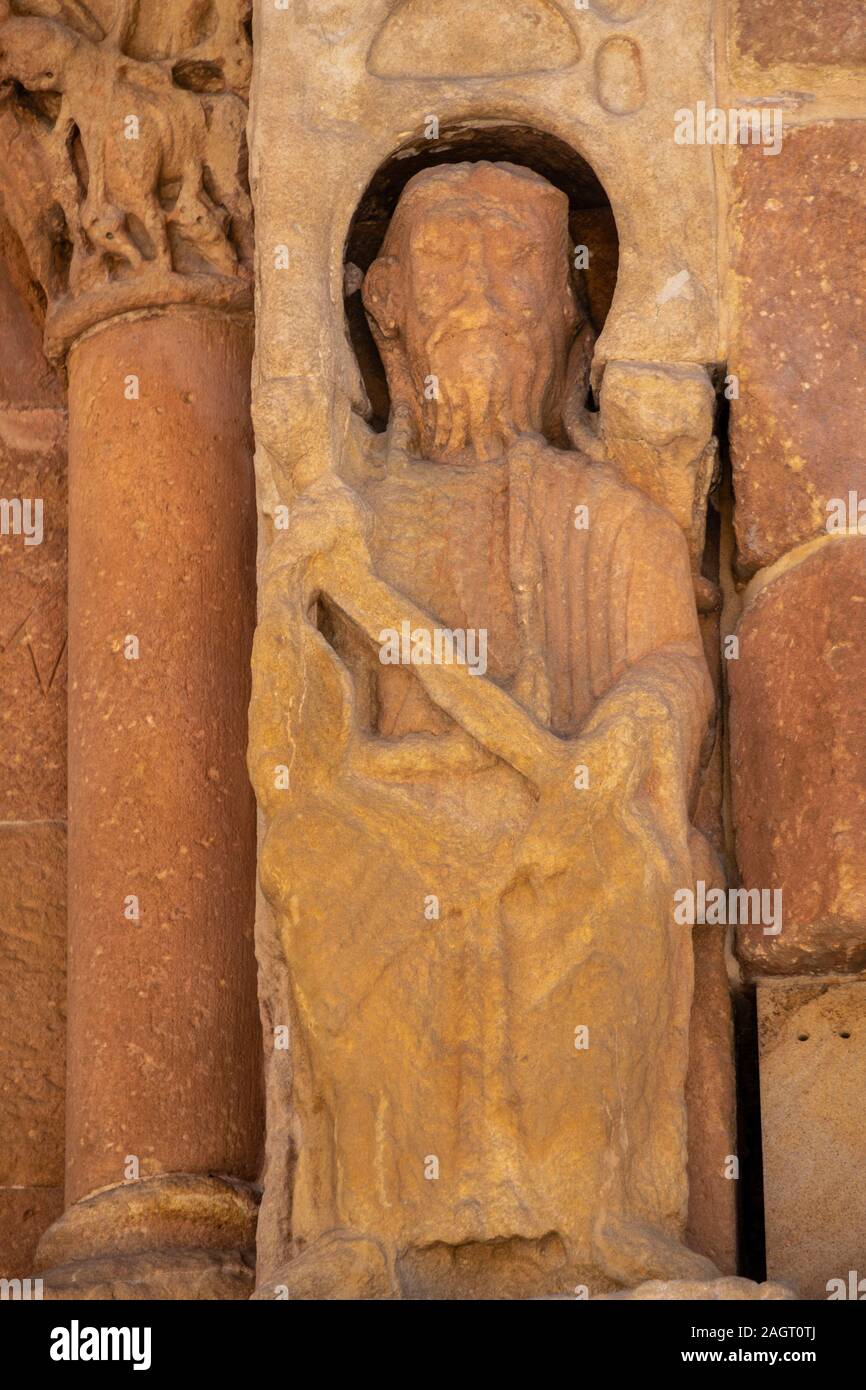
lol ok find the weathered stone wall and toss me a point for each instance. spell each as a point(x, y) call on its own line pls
point(32, 776)
point(795, 298)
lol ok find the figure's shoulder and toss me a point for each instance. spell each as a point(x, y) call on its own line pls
point(600, 485)
point(635, 509)
point(616, 508)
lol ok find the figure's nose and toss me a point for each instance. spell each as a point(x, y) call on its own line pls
point(479, 270)
point(479, 295)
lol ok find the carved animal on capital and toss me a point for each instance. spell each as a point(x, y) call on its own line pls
point(149, 149)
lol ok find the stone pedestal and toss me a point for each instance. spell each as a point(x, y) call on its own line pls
point(813, 1096)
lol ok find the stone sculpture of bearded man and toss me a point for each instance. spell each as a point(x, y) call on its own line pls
point(474, 875)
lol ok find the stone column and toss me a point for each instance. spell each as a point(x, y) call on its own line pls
point(163, 1037)
point(147, 282)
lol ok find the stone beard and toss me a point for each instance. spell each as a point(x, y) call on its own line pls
point(452, 1141)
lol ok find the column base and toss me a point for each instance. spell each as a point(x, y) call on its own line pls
point(178, 1236)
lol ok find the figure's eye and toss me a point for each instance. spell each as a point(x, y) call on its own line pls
point(510, 252)
point(435, 251)
point(48, 74)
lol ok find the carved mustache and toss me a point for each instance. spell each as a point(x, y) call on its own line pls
point(455, 326)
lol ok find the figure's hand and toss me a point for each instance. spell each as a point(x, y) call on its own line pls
point(326, 517)
point(597, 770)
point(617, 755)
point(589, 776)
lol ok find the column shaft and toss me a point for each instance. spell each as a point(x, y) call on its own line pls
point(163, 1035)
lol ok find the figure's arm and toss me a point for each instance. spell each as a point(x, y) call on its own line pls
point(418, 755)
point(324, 552)
point(664, 683)
point(487, 713)
point(326, 542)
point(666, 687)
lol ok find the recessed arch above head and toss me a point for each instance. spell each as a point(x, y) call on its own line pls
point(435, 39)
point(591, 219)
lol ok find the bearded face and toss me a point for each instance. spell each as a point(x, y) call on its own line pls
point(472, 308)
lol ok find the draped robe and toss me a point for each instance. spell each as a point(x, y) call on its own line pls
point(444, 1090)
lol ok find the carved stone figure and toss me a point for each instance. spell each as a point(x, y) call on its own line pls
point(473, 871)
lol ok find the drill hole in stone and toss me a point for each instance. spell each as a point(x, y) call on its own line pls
point(802, 1037)
point(591, 222)
point(844, 1034)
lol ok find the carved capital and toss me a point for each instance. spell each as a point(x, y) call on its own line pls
point(125, 176)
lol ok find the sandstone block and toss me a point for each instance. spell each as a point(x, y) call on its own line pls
point(25, 1212)
point(33, 618)
point(812, 1041)
point(33, 989)
point(800, 31)
point(798, 759)
point(798, 341)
